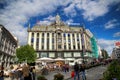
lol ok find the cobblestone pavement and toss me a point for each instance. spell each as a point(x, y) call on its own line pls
point(92, 74)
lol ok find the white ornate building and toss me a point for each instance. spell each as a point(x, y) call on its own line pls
point(8, 45)
point(60, 40)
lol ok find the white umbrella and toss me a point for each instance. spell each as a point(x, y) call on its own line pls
point(69, 59)
point(59, 59)
point(46, 59)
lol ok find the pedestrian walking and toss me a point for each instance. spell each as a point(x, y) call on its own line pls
point(1, 72)
point(76, 70)
point(2, 75)
point(82, 71)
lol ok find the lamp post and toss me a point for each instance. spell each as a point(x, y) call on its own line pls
point(83, 44)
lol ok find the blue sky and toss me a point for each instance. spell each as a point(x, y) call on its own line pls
point(101, 17)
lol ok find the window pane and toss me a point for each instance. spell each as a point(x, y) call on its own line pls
point(67, 54)
point(76, 54)
point(51, 55)
point(43, 54)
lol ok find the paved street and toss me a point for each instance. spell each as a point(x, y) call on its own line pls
point(91, 74)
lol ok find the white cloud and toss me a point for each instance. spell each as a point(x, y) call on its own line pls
point(108, 45)
point(111, 24)
point(117, 34)
point(50, 18)
point(45, 22)
point(91, 8)
point(18, 12)
point(69, 21)
point(70, 10)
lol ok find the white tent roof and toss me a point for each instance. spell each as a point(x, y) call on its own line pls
point(45, 59)
point(69, 59)
point(59, 59)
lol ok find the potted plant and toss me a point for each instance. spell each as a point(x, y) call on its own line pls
point(41, 77)
point(58, 76)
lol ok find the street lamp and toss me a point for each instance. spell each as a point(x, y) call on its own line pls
point(83, 44)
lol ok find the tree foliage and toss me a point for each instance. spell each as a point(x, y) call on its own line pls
point(26, 53)
point(113, 71)
point(104, 54)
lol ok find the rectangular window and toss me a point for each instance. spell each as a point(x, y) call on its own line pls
point(52, 40)
point(37, 40)
point(52, 34)
point(47, 34)
point(43, 54)
point(37, 47)
point(32, 34)
point(72, 35)
point(42, 47)
point(51, 54)
point(59, 34)
point(52, 47)
point(67, 54)
point(47, 40)
point(76, 54)
point(37, 34)
point(32, 40)
point(42, 40)
point(59, 46)
point(68, 35)
point(59, 54)
point(42, 34)
point(64, 35)
point(69, 46)
point(64, 46)
point(73, 46)
point(78, 46)
point(47, 43)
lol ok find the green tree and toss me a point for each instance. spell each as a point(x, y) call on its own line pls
point(104, 54)
point(113, 71)
point(26, 53)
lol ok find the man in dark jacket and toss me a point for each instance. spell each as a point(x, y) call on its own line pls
point(76, 70)
point(82, 70)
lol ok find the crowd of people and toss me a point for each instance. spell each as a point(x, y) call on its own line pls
point(20, 72)
point(26, 72)
point(55, 67)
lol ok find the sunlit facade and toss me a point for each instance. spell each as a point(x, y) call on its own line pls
point(60, 40)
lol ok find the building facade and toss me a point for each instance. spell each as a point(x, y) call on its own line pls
point(94, 47)
point(60, 40)
point(8, 45)
point(116, 51)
